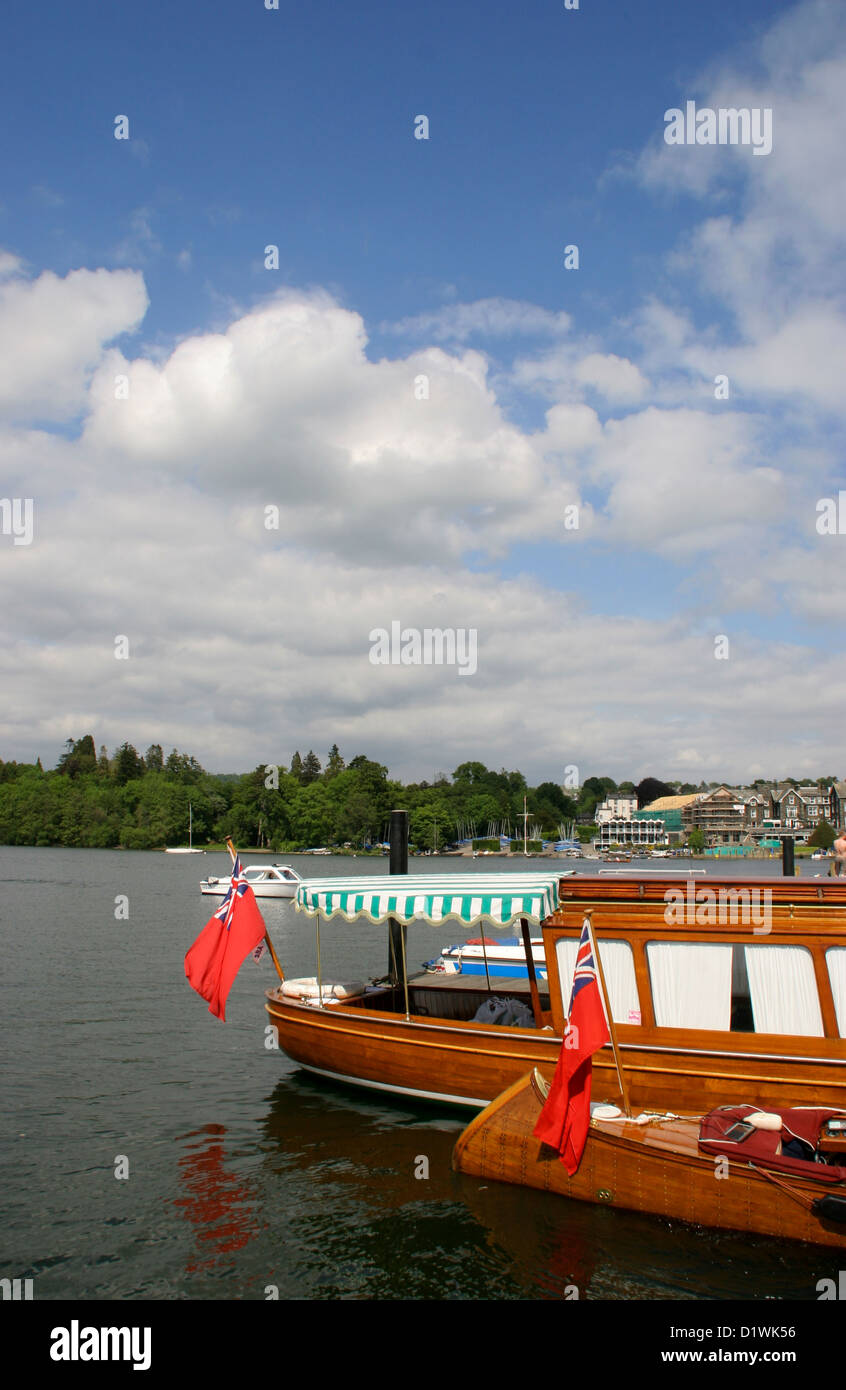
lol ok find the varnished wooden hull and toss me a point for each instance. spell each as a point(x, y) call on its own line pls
point(655, 1168)
point(470, 1063)
point(690, 1069)
point(433, 1059)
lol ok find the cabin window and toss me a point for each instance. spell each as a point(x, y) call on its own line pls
point(691, 984)
point(836, 961)
point(619, 971)
point(744, 989)
point(783, 990)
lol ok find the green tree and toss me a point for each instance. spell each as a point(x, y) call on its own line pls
point(549, 804)
point(154, 758)
point(261, 814)
point(470, 772)
point(127, 764)
point(430, 824)
point(182, 768)
point(311, 768)
point(79, 757)
point(593, 792)
point(360, 799)
point(650, 789)
point(312, 814)
point(824, 835)
point(334, 763)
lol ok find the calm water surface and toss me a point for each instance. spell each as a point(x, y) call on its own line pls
point(245, 1173)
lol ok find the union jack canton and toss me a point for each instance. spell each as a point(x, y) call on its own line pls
point(585, 971)
point(238, 886)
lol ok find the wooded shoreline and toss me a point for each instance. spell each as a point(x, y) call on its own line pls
point(92, 800)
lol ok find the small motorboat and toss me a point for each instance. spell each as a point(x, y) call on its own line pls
point(737, 1168)
point(505, 957)
point(266, 881)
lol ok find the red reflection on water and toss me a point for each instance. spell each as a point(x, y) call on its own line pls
point(570, 1264)
point(218, 1204)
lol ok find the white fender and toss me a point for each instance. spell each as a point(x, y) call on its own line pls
point(308, 988)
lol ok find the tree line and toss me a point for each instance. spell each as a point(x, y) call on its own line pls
point(95, 800)
point(128, 800)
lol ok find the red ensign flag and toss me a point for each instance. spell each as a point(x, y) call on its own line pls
point(565, 1118)
point(227, 938)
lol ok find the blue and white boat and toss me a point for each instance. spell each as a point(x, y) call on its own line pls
point(505, 958)
point(570, 848)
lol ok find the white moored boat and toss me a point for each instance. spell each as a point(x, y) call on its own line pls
point(492, 958)
point(266, 881)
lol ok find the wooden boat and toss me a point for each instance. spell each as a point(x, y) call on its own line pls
point(665, 1168)
point(419, 1038)
point(771, 1028)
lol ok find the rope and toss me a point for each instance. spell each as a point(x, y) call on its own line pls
point(806, 1202)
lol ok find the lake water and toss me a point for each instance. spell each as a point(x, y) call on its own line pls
point(244, 1175)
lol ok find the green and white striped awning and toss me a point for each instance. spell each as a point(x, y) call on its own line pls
point(499, 899)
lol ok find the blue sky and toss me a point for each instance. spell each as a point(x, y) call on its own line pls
point(397, 256)
point(294, 126)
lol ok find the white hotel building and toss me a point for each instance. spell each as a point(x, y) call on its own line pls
point(616, 808)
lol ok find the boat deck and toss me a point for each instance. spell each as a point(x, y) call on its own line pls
point(436, 996)
point(460, 996)
point(679, 1135)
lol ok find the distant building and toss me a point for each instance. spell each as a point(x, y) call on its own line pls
point(632, 832)
point(788, 808)
point(670, 809)
point(720, 815)
point(616, 808)
point(758, 809)
point(815, 802)
point(725, 815)
point(836, 814)
point(797, 811)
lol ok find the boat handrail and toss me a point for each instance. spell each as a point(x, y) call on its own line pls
point(664, 873)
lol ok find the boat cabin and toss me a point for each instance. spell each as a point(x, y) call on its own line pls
point(270, 873)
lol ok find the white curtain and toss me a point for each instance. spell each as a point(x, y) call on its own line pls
point(691, 984)
point(566, 952)
point(836, 961)
point(618, 967)
point(783, 990)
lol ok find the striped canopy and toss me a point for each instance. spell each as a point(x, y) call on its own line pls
point(499, 899)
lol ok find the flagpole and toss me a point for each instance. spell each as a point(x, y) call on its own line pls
point(279, 970)
point(608, 1014)
point(530, 968)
